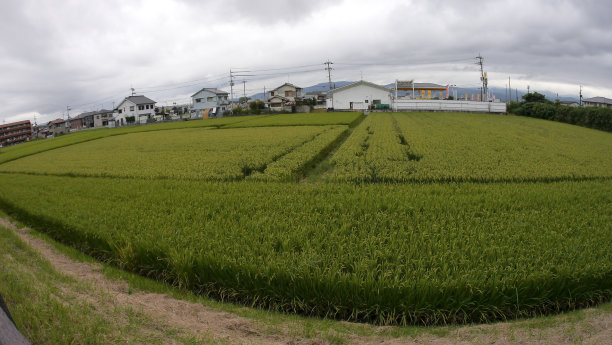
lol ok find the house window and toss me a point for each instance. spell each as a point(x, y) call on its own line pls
point(98, 117)
point(132, 108)
point(141, 107)
point(366, 101)
point(198, 100)
point(120, 111)
point(288, 93)
point(271, 93)
point(210, 99)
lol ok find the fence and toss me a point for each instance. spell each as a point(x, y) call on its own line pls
point(450, 106)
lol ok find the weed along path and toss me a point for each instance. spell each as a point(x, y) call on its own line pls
point(175, 321)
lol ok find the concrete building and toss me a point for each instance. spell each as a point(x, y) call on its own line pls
point(601, 102)
point(15, 133)
point(283, 97)
point(360, 95)
point(209, 102)
point(137, 108)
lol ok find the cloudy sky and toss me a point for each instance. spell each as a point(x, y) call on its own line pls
point(88, 54)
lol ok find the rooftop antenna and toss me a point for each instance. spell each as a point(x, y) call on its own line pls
point(133, 91)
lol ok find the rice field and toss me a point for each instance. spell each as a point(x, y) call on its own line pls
point(439, 147)
point(415, 219)
point(200, 153)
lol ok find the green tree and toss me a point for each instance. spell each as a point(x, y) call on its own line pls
point(535, 97)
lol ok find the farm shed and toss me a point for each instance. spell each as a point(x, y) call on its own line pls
point(358, 96)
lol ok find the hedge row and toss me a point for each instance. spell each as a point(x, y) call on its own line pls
point(591, 117)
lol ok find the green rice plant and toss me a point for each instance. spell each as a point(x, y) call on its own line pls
point(443, 147)
point(225, 154)
point(309, 119)
point(292, 164)
point(382, 253)
point(26, 149)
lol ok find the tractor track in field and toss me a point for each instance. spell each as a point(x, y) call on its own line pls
point(198, 320)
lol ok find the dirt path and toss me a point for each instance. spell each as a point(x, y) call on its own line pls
point(201, 321)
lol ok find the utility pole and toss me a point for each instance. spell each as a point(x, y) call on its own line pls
point(68, 111)
point(231, 92)
point(329, 69)
point(581, 95)
point(509, 89)
point(244, 90)
point(483, 77)
point(527, 89)
point(516, 93)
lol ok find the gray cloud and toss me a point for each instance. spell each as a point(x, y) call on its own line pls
point(88, 54)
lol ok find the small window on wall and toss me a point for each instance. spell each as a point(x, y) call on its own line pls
point(198, 100)
point(132, 108)
point(210, 99)
point(271, 93)
point(141, 107)
point(366, 101)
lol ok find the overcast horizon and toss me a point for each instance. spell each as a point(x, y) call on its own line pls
point(88, 55)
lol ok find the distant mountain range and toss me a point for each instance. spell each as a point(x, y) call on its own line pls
point(500, 93)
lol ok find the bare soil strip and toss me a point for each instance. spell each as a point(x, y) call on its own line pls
point(201, 321)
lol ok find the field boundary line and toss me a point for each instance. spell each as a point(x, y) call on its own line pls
point(327, 152)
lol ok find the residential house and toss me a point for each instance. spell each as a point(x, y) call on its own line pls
point(283, 97)
point(570, 103)
point(319, 96)
point(15, 132)
point(58, 127)
point(83, 120)
point(74, 123)
point(209, 102)
point(360, 95)
point(102, 117)
point(133, 109)
point(601, 102)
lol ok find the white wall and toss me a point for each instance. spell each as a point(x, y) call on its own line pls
point(358, 94)
point(448, 105)
point(219, 101)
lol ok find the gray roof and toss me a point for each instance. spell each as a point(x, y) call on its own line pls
point(213, 90)
point(138, 100)
point(598, 100)
point(361, 82)
point(289, 84)
point(408, 84)
point(278, 96)
point(91, 113)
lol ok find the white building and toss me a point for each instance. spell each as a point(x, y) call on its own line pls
point(209, 103)
point(359, 96)
point(140, 108)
